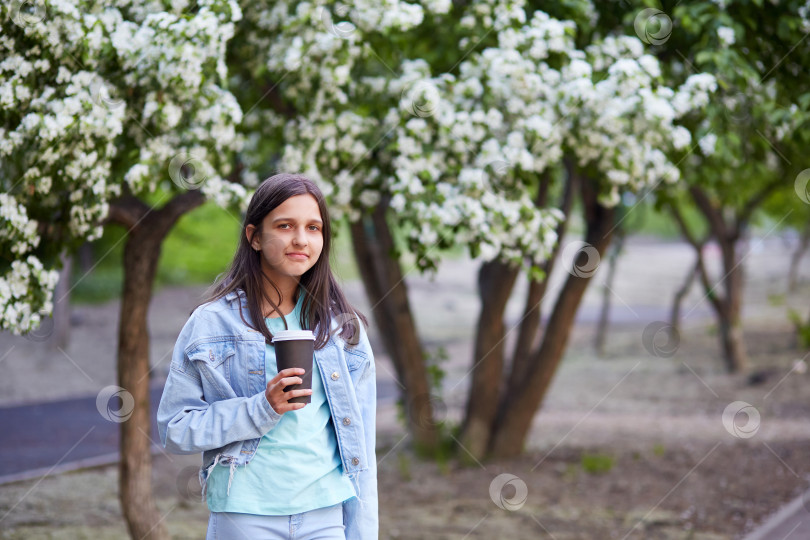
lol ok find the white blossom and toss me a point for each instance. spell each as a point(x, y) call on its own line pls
point(707, 144)
point(453, 152)
point(726, 36)
point(63, 148)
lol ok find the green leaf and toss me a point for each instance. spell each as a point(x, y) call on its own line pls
point(704, 57)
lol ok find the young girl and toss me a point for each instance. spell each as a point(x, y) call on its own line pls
point(271, 468)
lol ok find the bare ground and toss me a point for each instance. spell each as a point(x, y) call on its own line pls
point(627, 446)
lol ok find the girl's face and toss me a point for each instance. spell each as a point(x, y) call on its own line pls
point(290, 239)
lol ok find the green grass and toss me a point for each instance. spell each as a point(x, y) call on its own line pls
point(597, 463)
point(100, 285)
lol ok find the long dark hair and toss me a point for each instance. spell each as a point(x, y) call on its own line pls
point(323, 298)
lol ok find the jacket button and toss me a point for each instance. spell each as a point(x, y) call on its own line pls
point(335, 376)
point(355, 461)
point(347, 421)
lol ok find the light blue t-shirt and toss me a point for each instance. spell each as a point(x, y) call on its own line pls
point(297, 465)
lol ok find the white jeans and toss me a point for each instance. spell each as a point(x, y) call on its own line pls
point(321, 524)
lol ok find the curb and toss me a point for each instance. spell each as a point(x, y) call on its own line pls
point(61, 468)
point(785, 521)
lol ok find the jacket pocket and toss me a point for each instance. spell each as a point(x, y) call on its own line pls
point(214, 362)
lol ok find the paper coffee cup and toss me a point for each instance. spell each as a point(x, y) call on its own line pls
point(295, 349)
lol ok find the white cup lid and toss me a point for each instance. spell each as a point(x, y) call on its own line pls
point(290, 335)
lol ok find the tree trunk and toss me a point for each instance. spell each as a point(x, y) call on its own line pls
point(517, 410)
point(729, 307)
point(146, 230)
point(141, 254)
point(495, 282)
point(604, 313)
point(680, 294)
point(730, 322)
point(86, 257)
point(529, 332)
point(60, 336)
point(796, 257)
point(387, 291)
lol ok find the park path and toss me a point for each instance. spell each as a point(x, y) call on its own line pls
point(58, 436)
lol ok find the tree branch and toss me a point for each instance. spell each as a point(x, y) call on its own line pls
point(126, 211)
point(713, 215)
point(179, 205)
point(687, 234)
point(745, 214)
point(700, 266)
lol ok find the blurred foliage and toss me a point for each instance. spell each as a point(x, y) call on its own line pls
point(202, 244)
point(640, 216)
point(199, 248)
point(435, 371)
point(802, 328)
point(404, 466)
point(761, 111)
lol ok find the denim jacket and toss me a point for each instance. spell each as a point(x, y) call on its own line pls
point(214, 402)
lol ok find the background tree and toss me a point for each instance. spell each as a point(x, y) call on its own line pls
point(325, 109)
point(617, 136)
point(750, 140)
point(119, 116)
point(453, 144)
point(791, 210)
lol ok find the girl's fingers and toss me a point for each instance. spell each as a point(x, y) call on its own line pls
point(279, 399)
point(288, 381)
point(289, 372)
point(286, 396)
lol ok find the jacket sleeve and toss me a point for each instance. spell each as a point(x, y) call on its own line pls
point(188, 424)
point(361, 516)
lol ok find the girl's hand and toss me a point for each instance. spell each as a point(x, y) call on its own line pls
point(278, 398)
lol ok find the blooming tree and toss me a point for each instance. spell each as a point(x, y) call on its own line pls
point(750, 143)
point(450, 149)
point(456, 141)
point(323, 100)
point(77, 80)
point(105, 114)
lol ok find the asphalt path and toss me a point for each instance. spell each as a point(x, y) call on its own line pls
point(58, 436)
